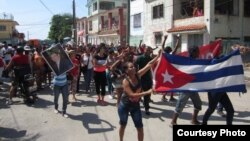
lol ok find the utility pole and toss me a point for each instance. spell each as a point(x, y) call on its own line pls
point(128, 22)
point(74, 22)
point(28, 35)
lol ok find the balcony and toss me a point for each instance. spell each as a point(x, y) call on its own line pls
point(113, 30)
point(194, 24)
point(189, 21)
point(188, 9)
point(5, 16)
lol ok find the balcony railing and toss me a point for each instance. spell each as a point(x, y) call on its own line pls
point(6, 16)
point(189, 21)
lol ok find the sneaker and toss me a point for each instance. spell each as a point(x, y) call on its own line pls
point(9, 102)
point(56, 111)
point(111, 97)
point(65, 115)
point(147, 113)
point(172, 99)
point(221, 113)
point(164, 99)
point(196, 122)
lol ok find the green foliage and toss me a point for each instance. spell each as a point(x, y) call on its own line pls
point(60, 27)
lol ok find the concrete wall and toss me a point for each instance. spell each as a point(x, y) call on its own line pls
point(157, 25)
point(118, 3)
point(136, 34)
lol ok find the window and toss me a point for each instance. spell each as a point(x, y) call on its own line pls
point(195, 40)
point(158, 38)
point(106, 5)
point(158, 11)
point(124, 5)
point(247, 38)
point(192, 8)
point(137, 20)
point(246, 8)
point(90, 25)
point(230, 7)
point(82, 25)
point(95, 6)
point(89, 11)
point(2, 28)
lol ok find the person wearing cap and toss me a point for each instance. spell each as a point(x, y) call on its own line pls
point(69, 45)
point(8, 52)
point(28, 52)
point(20, 64)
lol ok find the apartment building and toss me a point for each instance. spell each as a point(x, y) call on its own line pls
point(8, 30)
point(81, 28)
point(157, 19)
point(106, 21)
point(136, 22)
point(197, 21)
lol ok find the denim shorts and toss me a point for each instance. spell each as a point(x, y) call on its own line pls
point(135, 112)
point(183, 99)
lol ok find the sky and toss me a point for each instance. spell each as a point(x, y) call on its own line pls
point(34, 18)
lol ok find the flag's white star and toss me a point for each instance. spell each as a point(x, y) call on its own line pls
point(167, 77)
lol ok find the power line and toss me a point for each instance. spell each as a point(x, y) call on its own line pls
point(34, 24)
point(46, 7)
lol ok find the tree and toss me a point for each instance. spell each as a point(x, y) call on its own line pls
point(60, 27)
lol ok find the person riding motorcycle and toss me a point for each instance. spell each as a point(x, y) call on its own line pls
point(20, 64)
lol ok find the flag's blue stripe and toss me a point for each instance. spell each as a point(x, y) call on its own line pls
point(223, 72)
point(181, 60)
point(235, 88)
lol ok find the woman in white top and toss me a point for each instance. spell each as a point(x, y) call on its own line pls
point(87, 62)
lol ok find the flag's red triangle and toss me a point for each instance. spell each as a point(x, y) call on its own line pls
point(178, 79)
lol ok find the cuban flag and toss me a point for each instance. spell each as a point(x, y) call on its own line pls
point(207, 51)
point(184, 74)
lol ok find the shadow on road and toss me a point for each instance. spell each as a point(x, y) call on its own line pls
point(11, 133)
point(93, 123)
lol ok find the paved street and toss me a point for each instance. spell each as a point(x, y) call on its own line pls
point(89, 121)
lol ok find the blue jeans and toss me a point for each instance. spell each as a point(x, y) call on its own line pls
point(135, 112)
point(65, 93)
point(88, 75)
point(183, 98)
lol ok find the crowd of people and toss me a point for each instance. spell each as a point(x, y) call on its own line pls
point(123, 69)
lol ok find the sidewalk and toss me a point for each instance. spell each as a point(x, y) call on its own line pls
point(91, 122)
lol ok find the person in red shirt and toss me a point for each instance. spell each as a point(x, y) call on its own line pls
point(20, 64)
point(74, 73)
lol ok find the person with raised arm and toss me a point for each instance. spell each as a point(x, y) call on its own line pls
point(130, 99)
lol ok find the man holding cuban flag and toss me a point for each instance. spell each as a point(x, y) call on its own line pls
point(188, 75)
